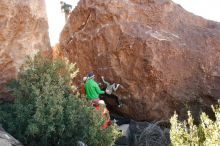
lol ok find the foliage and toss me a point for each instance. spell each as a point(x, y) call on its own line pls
point(153, 135)
point(45, 112)
point(185, 133)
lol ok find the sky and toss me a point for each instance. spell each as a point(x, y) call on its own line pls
point(56, 18)
point(209, 9)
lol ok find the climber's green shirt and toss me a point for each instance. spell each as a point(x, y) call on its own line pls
point(92, 89)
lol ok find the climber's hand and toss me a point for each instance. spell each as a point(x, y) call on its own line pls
point(107, 92)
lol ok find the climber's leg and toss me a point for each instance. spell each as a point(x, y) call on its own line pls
point(115, 87)
point(119, 102)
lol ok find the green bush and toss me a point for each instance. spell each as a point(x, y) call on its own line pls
point(185, 133)
point(46, 113)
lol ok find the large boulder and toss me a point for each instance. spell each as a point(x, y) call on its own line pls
point(165, 58)
point(23, 32)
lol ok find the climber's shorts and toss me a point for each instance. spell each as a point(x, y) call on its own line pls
point(95, 102)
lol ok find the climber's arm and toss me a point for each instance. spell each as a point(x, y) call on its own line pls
point(98, 90)
point(107, 83)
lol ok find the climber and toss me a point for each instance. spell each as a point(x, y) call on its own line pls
point(110, 88)
point(93, 90)
point(66, 8)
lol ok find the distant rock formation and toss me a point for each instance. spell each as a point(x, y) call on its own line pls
point(23, 32)
point(165, 58)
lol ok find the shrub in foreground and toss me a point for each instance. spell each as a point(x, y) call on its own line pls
point(45, 112)
point(185, 133)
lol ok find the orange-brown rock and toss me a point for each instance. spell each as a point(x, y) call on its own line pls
point(164, 57)
point(57, 51)
point(23, 32)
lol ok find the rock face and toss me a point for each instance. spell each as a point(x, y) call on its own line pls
point(23, 31)
point(7, 140)
point(165, 58)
